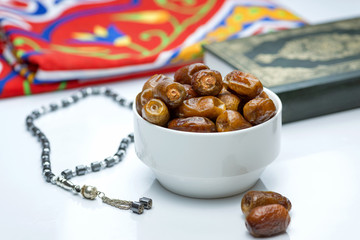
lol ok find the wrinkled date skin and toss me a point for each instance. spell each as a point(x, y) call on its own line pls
point(244, 84)
point(185, 74)
point(172, 93)
point(154, 80)
point(262, 95)
point(259, 110)
point(190, 93)
point(209, 106)
point(268, 220)
point(142, 98)
point(156, 112)
point(231, 100)
point(255, 199)
point(192, 124)
point(231, 120)
point(207, 82)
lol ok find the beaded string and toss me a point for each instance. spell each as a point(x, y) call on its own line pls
point(88, 192)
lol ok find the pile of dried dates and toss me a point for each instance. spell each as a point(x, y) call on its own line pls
point(199, 99)
point(267, 213)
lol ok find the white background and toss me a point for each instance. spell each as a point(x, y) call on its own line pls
point(317, 169)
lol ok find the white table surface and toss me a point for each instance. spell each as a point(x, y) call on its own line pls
point(318, 170)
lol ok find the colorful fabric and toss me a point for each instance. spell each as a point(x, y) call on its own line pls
point(60, 44)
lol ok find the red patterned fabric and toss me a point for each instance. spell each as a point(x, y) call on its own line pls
point(54, 45)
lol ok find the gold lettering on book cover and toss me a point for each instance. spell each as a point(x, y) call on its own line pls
point(323, 47)
point(274, 76)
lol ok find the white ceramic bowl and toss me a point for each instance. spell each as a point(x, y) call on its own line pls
point(208, 165)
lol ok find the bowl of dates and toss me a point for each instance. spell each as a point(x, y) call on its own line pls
point(205, 135)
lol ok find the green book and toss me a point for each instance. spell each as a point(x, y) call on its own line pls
point(315, 70)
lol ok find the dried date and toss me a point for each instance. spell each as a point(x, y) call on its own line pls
point(142, 98)
point(154, 80)
point(259, 110)
point(230, 120)
point(155, 111)
point(244, 84)
point(192, 124)
point(209, 106)
point(207, 82)
point(185, 74)
point(268, 220)
point(190, 93)
point(255, 199)
point(231, 100)
point(171, 93)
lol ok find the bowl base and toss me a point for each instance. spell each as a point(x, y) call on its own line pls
point(208, 187)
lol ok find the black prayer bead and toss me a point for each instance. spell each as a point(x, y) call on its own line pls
point(53, 106)
point(95, 166)
point(65, 103)
point(80, 170)
point(131, 137)
point(67, 173)
point(110, 161)
point(48, 175)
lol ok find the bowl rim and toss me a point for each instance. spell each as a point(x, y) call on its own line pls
point(273, 96)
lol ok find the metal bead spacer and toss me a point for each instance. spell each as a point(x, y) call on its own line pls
point(43, 138)
point(137, 207)
point(102, 90)
point(46, 165)
point(45, 158)
point(45, 144)
point(70, 100)
point(103, 164)
point(53, 180)
point(116, 158)
point(89, 192)
point(46, 151)
point(121, 154)
point(123, 146)
point(43, 110)
point(95, 91)
point(147, 202)
point(118, 99)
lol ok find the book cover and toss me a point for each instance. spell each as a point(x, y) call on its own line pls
point(315, 69)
